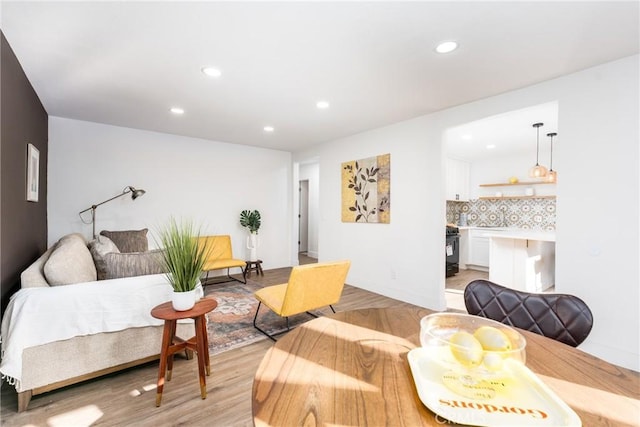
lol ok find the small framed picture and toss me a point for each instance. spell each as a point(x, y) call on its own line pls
point(33, 173)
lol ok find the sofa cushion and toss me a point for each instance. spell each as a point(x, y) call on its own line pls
point(129, 240)
point(133, 264)
point(99, 247)
point(70, 262)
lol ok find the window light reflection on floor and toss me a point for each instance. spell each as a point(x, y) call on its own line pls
point(85, 416)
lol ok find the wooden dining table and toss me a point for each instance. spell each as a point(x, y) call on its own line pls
point(351, 369)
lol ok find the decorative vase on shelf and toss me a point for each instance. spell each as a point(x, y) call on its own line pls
point(183, 301)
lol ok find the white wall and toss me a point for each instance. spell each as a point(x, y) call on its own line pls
point(396, 259)
point(206, 181)
point(311, 173)
point(597, 246)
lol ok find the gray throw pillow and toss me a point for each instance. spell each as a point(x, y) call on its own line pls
point(70, 262)
point(130, 240)
point(133, 264)
point(99, 247)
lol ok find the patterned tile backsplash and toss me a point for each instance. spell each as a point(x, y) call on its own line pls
point(533, 214)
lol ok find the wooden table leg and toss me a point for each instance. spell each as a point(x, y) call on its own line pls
point(164, 354)
point(170, 354)
point(205, 338)
point(260, 272)
point(201, 355)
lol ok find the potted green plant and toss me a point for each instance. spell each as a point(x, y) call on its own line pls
point(183, 259)
point(251, 221)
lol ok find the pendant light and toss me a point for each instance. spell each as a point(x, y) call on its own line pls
point(538, 171)
point(553, 175)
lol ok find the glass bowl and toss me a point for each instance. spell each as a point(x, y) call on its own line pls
point(472, 366)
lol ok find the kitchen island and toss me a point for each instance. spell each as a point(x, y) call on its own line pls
point(522, 259)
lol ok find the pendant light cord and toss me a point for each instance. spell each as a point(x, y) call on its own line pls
point(537, 126)
point(551, 135)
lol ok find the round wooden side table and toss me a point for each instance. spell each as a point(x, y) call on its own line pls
point(172, 344)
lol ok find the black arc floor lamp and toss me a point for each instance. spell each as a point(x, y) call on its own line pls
point(135, 193)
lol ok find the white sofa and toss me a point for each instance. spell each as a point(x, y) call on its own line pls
point(54, 336)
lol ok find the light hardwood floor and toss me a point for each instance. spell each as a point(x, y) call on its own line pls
point(128, 398)
point(461, 279)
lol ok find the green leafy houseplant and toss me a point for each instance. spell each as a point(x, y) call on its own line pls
point(250, 220)
point(182, 256)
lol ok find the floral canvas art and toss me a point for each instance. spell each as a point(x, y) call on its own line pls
point(366, 186)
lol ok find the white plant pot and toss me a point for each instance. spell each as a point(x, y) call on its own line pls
point(252, 245)
point(183, 301)
point(199, 291)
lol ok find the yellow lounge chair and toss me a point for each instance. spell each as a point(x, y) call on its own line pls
point(220, 256)
point(309, 287)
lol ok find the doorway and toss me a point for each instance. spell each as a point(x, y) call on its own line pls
point(306, 212)
point(486, 170)
point(303, 224)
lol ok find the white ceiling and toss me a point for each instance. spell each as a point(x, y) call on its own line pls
point(127, 63)
point(509, 134)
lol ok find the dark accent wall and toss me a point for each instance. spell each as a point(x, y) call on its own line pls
point(23, 225)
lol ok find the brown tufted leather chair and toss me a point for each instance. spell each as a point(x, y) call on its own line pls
point(565, 318)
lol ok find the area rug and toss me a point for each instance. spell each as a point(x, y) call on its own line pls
point(230, 325)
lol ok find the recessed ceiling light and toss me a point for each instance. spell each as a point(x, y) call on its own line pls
point(211, 71)
point(269, 128)
point(177, 110)
point(322, 105)
point(446, 47)
point(491, 146)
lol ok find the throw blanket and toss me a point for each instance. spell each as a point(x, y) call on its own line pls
point(37, 316)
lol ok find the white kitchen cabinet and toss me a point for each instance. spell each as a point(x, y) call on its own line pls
point(457, 180)
point(478, 252)
point(522, 264)
point(464, 248)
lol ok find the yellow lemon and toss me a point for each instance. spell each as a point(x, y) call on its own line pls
point(492, 339)
point(466, 349)
point(492, 361)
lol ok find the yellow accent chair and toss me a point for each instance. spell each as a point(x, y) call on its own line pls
point(220, 256)
point(310, 286)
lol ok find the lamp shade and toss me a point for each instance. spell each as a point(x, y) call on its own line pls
point(538, 171)
point(136, 192)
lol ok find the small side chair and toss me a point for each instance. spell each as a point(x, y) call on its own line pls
point(220, 257)
point(310, 286)
point(565, 318)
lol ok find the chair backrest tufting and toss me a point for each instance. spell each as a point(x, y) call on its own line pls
point(565, 318)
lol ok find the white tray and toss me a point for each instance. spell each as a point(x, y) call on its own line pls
point(522, 400)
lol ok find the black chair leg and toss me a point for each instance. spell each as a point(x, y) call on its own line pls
point(260, 329)
point(256, 326)
point(206, 279)
point(272, 336)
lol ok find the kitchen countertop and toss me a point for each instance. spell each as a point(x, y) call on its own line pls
point(515, 233)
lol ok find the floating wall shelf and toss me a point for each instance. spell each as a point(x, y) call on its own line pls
point(508, 184)
point(515, 197)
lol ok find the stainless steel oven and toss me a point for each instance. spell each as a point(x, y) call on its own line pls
point(452, 251)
